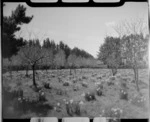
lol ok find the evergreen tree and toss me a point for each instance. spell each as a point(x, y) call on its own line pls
point(11, 24)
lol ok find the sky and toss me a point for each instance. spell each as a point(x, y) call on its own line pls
point(84, 27)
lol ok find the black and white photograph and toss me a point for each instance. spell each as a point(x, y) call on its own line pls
point(75, 61)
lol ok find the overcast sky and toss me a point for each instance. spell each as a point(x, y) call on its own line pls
point(84, 28)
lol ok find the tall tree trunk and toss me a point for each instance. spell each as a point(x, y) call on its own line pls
point(33, 69)
point(136, 78)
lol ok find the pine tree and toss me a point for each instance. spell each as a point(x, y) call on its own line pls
point(11, 24)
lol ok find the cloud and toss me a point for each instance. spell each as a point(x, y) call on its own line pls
point(110, 24)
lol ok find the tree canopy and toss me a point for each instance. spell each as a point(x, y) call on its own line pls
point(110, 52)
point(11, 24)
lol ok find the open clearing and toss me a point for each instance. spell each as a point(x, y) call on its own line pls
point(65, 87)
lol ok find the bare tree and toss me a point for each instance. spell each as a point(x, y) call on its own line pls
point(119, 29)
point(135, 49)
point(32, 55)
point(134, 45)
point(131, 26)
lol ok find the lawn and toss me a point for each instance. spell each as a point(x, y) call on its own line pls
point(86, 93)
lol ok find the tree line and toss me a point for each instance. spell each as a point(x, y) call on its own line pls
point(129, 49)
point(33, 56)
point(19, 54)
point(13, 48)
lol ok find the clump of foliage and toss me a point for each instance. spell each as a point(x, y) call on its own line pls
point(10, 44)
point(66, 83)
point(100, 89)
point(73, 108)
point(99, 92)
point(47, 85)
point(42, 96)
point(110, 53)
point(60, 92)
point(90, 96)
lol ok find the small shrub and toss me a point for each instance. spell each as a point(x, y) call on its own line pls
point(84, 84)
point(110, 83)
point(90, 96)
point(52, 75)
point(123, 94)
point(73, 108)
point(47, 85)
point(99, 92)
point(61, 92)
point(99, 77)
point(42, 96)
point(58, 107)
point(66, 83)
point(84, 77)
point(59, 80)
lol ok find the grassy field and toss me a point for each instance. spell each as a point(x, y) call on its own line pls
point(88, 93)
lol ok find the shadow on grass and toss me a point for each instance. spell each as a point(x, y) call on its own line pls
point(15, 107)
